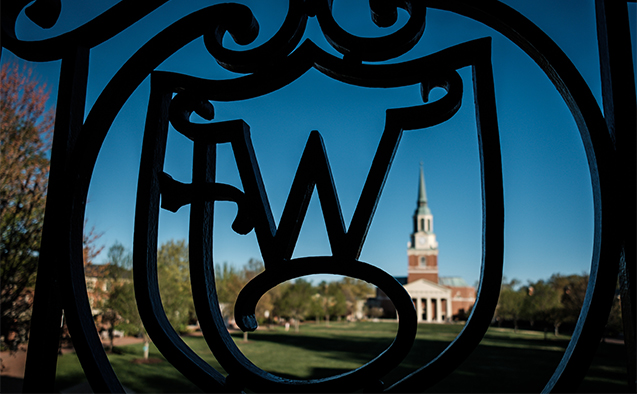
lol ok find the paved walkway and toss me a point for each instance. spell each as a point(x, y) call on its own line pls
point(13, 362)
point(12, 370)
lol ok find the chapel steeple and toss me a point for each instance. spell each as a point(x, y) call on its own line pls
point(423, 207)
point(423, 219)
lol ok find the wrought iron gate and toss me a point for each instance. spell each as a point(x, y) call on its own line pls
point(608, 137)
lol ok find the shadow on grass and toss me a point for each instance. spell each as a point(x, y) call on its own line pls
point(501, 368)
point(317, 373)
point(498, 365)
point(501, 363)
point(354, 349)
point(608, 371)
point(351, 350)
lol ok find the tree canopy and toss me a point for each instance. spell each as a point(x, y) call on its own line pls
point(173, 271)
point(548, 303)
point(295, 301)
point(511, 302)
point(173, 274)
point(25, 141)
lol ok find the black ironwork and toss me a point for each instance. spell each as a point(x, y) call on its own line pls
point(269, 67)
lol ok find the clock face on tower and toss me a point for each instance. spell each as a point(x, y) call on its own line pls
point(421, 240)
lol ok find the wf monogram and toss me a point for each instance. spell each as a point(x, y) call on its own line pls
point(174, 106)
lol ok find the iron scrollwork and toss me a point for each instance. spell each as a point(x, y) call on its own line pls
point(267, 68)
point(277, 243)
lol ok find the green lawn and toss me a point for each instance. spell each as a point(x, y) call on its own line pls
point(504, 362)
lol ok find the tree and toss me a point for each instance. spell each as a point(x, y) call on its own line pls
point(355, 290)
point(229, 282)
point(173, 272)
point(90, 249)
point(120, 262)
point(295, 301)
point(96, 275)
point(511, 303)
point(25, 142)
point(320, 303)
point(332, 300)
point(118, 271)
point(338, 306)
point(265, 306)
point(543, 304)
point(122, 301)
point(573, 290)
point(121, 305)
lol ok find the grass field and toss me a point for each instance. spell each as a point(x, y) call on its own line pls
point(504, 362)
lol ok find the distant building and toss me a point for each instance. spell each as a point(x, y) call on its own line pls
point(98, 285)
point(437, 299)
point(100, 279)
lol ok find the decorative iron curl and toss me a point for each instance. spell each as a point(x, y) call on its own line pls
point(232, 18)
point(235, 19)
point(181, 108)
point(384, 14)
point(177, 194)
point(239, 21)
point(45, 14)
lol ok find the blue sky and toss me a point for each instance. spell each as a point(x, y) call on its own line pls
point(548, 197)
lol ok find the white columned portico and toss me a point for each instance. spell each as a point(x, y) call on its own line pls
point(428, 298)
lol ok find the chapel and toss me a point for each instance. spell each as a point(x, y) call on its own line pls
point(436, 299)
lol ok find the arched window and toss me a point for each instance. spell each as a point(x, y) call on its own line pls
point(422, 224)
point(423, 260)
